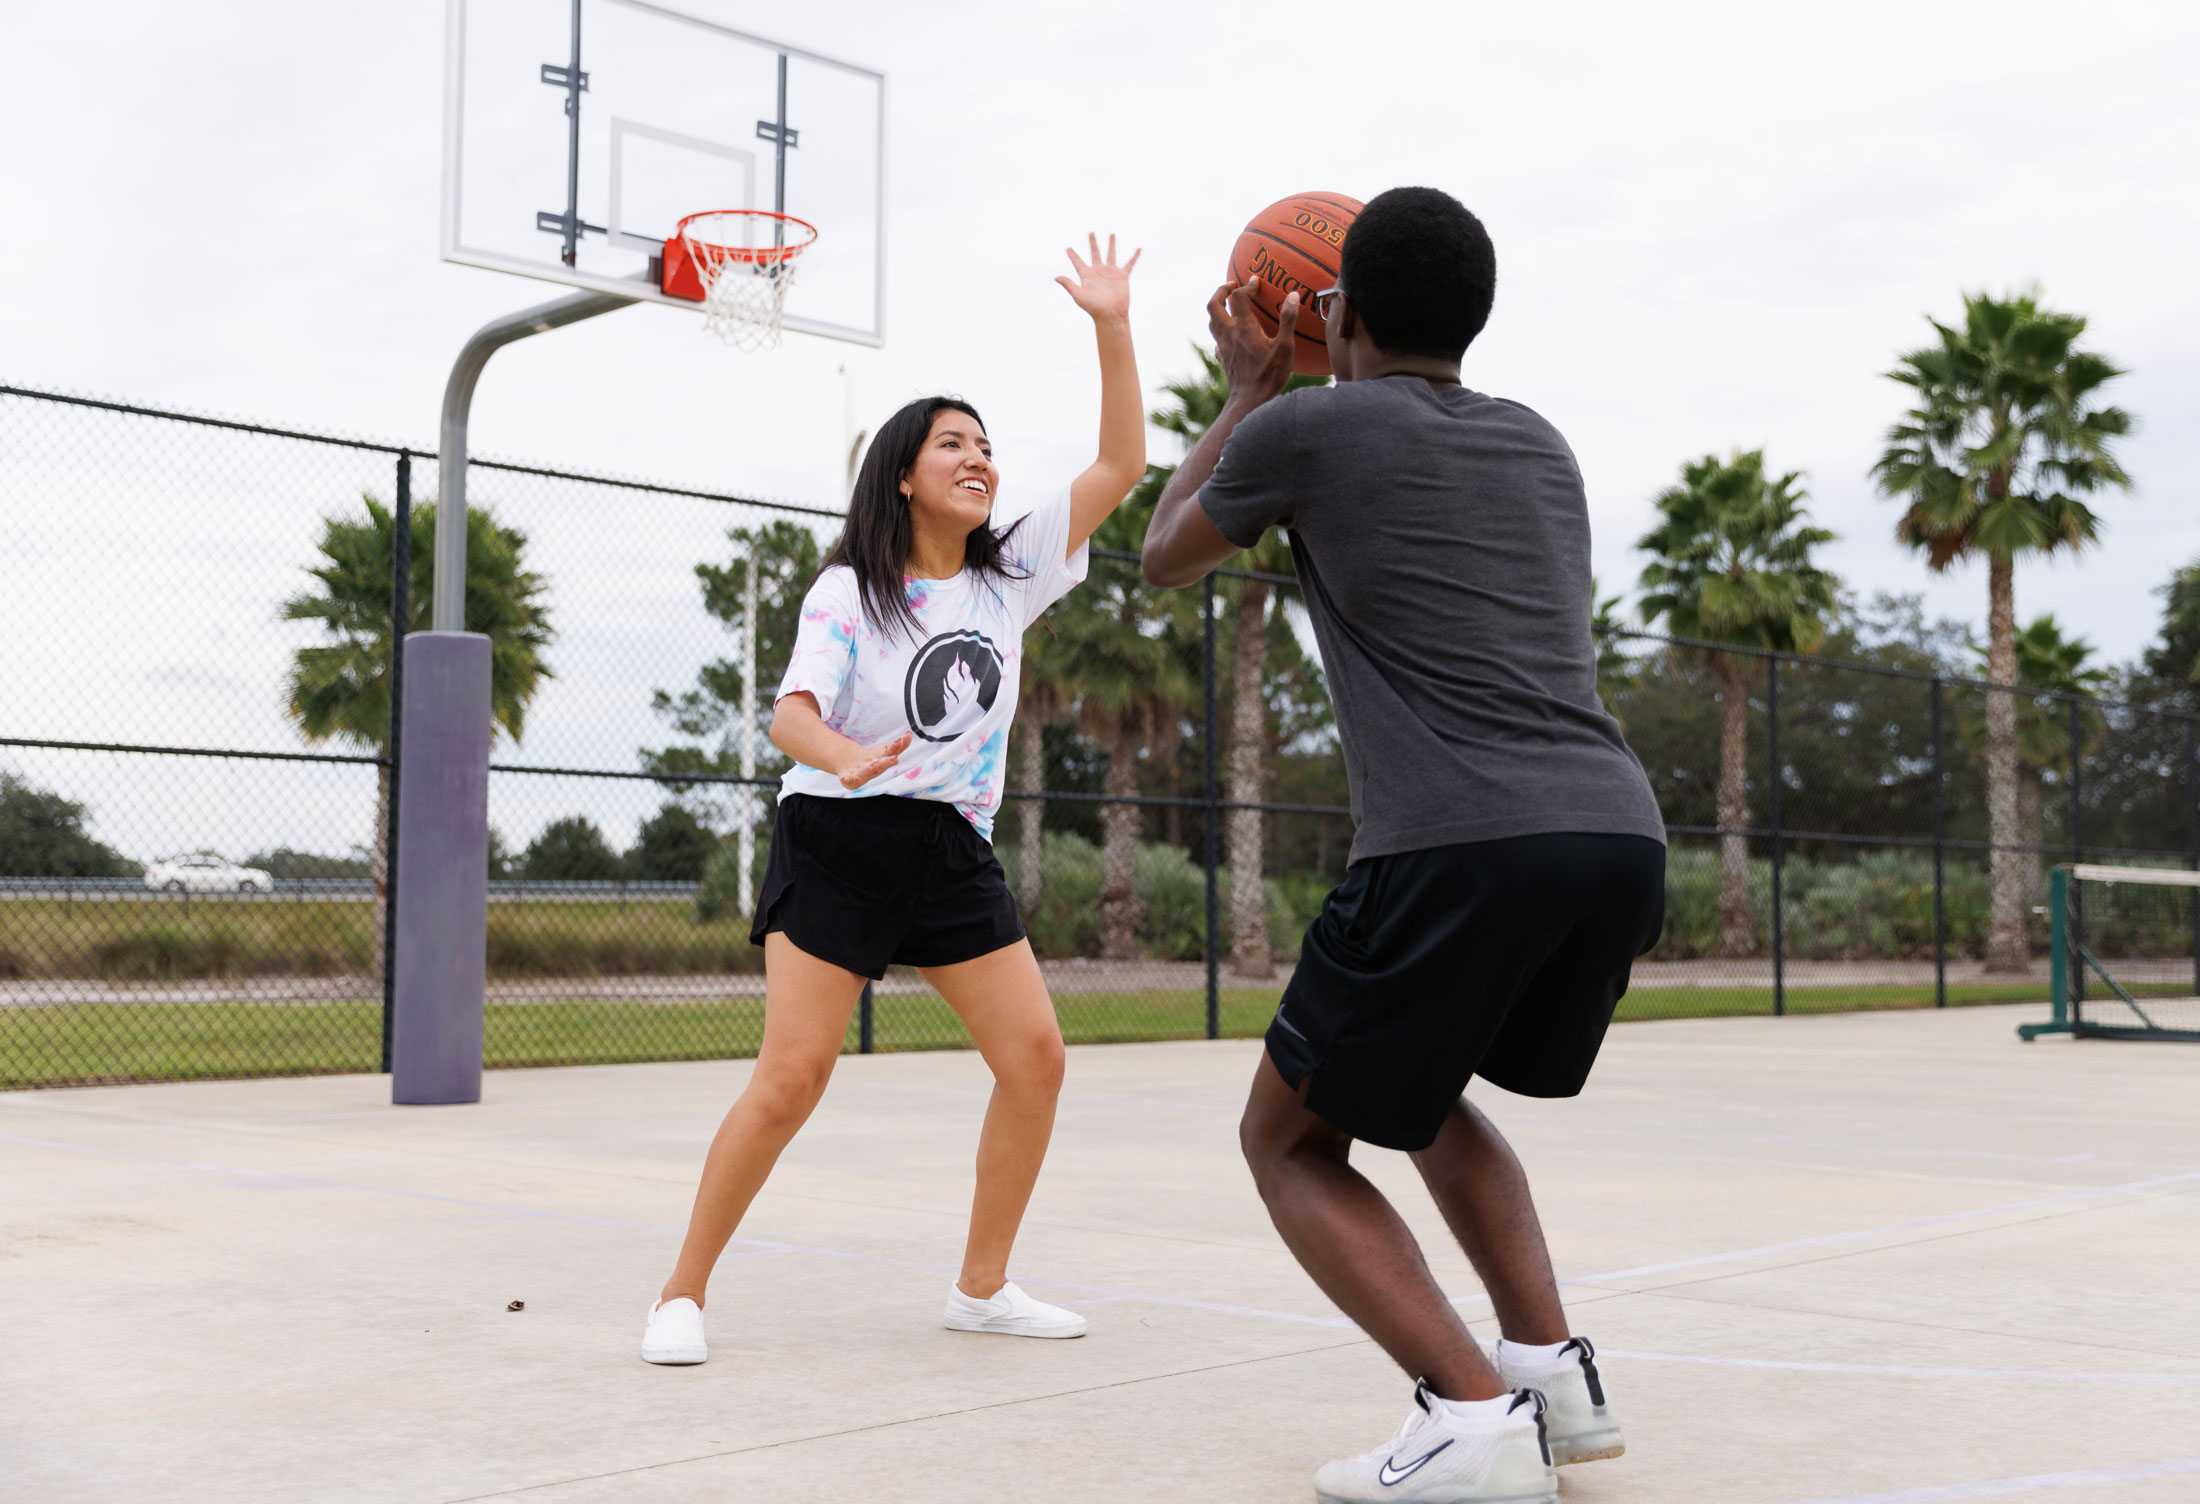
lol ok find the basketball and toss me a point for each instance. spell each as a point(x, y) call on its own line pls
point(1295, 245)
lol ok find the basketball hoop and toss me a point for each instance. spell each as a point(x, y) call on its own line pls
point(738, 263)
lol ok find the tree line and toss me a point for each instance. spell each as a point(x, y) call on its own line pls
point(2004, 439)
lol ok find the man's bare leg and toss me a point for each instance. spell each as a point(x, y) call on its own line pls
point(1483, 1193)
point(1353, 1242)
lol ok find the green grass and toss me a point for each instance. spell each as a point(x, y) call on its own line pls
point(169, 939)
point(1739, 1002)
point(86, 1043)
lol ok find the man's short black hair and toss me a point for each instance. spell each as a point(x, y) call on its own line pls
point(1421, 271)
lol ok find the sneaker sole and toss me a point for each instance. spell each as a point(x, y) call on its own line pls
point(678, 1357)
point(1004, 1329)
point(1448, 1496)
point(1590, 1446)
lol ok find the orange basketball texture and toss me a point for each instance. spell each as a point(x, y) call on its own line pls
point(1295, 245)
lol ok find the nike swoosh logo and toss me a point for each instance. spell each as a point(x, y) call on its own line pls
point(1288, 1024)
point(1390, 1472)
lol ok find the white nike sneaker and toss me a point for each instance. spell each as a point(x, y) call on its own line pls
point(675, 1333)
point(1012, 1313)
point(1579, 1424)
point(1436, 1458)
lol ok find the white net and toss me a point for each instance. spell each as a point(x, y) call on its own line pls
point(746, 261)
point(2131, 936)
point(742, 302)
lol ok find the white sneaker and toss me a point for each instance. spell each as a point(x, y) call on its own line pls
point(1012, 1313)
point(674, 1333)
point(1438, 1458)
point(1579, 1424)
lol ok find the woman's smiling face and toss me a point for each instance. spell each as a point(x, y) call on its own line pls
point(952, 482)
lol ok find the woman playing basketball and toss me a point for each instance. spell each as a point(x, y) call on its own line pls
point(896, 709)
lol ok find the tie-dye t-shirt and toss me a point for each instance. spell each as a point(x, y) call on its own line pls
point(953, 684)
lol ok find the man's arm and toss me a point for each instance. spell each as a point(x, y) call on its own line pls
point(1183, 546)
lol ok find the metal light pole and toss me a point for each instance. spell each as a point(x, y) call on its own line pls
point(747, 847)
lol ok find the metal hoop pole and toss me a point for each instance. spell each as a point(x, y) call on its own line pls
point(458, 402)
point(438, 970)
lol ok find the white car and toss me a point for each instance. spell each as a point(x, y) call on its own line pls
point(204, 872)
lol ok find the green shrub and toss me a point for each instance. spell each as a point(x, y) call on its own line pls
point(592, 940)
point(1878, 906)
point(671, 847)
point(1172, 891)
point(1067, 920)
point(1171, 886)
point(719, 897)
point(169, 951)
point(570, 850)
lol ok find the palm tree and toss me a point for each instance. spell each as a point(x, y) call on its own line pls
point(1124, 653)
point(340, 689)
point(1043, 698)
point(1733, 566)
point(1615, 670)
point(2054, 664)
point(2005, 438)
point(1196, 401)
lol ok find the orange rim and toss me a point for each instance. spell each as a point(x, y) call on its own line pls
point(748, 255)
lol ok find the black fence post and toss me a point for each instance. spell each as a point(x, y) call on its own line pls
point(2192, 831)
point(400, 618)
point(1940, 860)
point(1772, 754)
point(864, 1014)
point(2077, 851)
point(1214, 808)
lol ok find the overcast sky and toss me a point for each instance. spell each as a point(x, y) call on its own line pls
point(1716, 227)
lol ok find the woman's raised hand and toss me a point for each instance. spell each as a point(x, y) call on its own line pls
point(875, 760)
point(1102, 288)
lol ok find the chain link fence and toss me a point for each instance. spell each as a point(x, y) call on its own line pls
point(195, 778)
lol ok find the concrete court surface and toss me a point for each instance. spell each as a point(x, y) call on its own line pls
point(1894, 1257)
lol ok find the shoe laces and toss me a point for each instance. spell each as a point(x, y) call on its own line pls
point(1420, 1415)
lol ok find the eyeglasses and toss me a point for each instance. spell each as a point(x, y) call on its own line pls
point(1324, 301)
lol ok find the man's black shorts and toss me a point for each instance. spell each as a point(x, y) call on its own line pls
point(882, 880)
point(1498, 959)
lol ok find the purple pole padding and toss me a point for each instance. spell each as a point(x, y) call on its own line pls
point(440, 961)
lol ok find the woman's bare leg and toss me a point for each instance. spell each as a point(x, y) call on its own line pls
point(1002, 1000)
point(806, 1006)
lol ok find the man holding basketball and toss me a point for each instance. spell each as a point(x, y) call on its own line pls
point(1509, 860)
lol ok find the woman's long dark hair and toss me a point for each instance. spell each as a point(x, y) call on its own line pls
point(876, 542)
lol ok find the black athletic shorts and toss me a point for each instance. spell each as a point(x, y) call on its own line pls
point(882, 880)
point(1498, 959)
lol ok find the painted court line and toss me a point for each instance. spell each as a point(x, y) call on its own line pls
point(1934, 1153)
point(757, 1247)
point(1892, 1370)
point(1915, 1224)
point(2037, 1482)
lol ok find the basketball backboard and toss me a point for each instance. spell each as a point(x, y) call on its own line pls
point(577, 133)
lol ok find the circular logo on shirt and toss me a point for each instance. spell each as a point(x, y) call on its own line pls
point(953, 681)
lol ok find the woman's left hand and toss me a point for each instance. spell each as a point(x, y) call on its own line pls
point(1102, 288)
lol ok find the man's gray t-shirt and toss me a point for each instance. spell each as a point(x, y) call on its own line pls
point(1442, 537)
